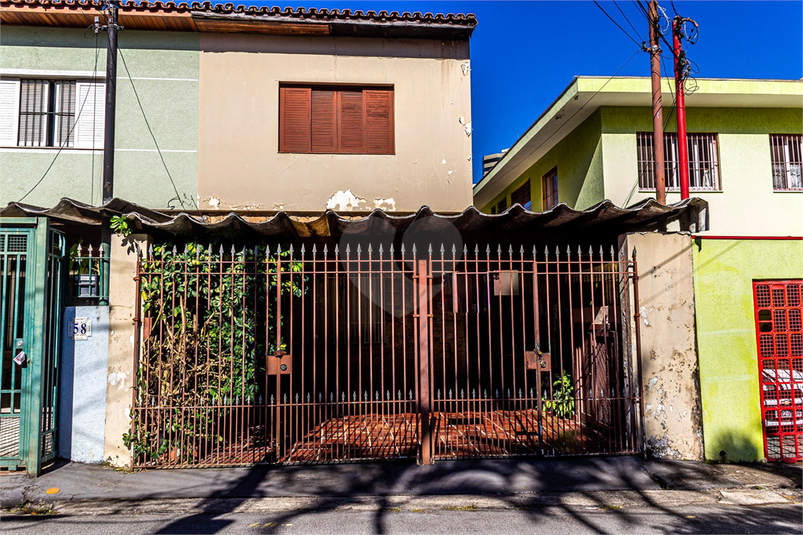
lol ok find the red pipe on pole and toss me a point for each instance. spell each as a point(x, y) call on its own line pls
point(680, 100)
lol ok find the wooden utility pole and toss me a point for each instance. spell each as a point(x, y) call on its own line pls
point(657, 111)
point(111, 100)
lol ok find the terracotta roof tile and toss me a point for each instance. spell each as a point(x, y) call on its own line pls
point(322, 14)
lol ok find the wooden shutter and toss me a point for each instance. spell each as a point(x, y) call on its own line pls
point(324, 121)
point(352, 122)
point(378, 121)
point(9, 112)
point(295, 119)
point(90, 100)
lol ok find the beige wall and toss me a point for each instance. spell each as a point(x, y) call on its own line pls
point(668, 359)
point(120, 379)
point(239, 165)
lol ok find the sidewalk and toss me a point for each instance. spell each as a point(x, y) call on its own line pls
point(599, 480)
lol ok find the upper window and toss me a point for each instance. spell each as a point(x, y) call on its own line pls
point(499, 207)
point(522, 196)
point(787, 161)
point(51, 113)
point(335, 120)
point(703, 161)
point(549, 189)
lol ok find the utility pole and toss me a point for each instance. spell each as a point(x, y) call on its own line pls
point(680, 102)
point(111, 100)
point(657, 105)
point(111, 27)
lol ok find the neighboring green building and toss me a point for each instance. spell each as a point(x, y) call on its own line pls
point(595, 143)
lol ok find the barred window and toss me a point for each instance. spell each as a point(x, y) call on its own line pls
point(499, 207)
point(47, 113)
point(786, 151)
point(703, 161)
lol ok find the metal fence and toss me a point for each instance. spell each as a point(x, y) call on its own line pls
point(89, 274)
point(313, 355)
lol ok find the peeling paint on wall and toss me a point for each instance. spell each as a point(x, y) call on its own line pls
point(117, 379)
point(466, 67)
point(388, 204)
point(344, 201)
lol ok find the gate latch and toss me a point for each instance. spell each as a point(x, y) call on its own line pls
point(280, 363)
point(536, 360)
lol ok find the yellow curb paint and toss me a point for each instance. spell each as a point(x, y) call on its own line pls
point(53, 490)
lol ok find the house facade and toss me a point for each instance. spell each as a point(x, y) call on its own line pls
point(222, 108)
point(744, 143)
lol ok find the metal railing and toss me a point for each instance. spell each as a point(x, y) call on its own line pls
point(89, 274)
point(329, 355)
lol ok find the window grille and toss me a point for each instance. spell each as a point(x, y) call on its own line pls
point(703, 161)
point(47, 113)
point(786, 151)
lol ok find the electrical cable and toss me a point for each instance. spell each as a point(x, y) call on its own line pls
point(150, 130)
point(627, 19)
point(617, 24)
point(586, 102)
point(69, 133)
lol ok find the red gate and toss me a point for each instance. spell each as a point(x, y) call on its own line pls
point(313, 355)
point(780, 365)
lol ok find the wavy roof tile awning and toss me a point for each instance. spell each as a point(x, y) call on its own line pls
point(515, 224)
point(230, 17)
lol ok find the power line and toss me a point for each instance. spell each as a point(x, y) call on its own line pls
point(617, 24)
point(586, 102)
point(627, 19)
point(69, 133)
point(150, 130)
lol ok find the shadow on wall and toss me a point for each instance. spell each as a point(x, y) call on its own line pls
point(733, 447)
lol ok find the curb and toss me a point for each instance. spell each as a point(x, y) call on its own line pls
point(602, 500)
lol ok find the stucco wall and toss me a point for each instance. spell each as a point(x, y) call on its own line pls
point(747, 204)
point(239, 162)
point(82, 409)
point(164, 68)
point(726, 337)
point(578, 158)
point(121, 359)
point(668, 359)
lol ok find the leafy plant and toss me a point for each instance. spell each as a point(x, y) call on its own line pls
point(212, 324)
point(119, 224)
point(562, 402)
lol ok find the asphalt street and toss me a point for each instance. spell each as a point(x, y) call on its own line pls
point(552, 520)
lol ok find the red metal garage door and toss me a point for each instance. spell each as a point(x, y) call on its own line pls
point(780, 364)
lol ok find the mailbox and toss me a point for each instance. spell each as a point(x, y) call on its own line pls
point(535, 360)
point(280, 364)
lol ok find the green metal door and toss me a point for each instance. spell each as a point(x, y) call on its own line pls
point(31, 273)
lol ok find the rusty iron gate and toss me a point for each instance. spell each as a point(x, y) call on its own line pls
point(325, 354)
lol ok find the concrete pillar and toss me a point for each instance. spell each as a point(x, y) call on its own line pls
point(671, 386)
point(120, 378)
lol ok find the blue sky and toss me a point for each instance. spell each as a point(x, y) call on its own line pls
point(523, 54)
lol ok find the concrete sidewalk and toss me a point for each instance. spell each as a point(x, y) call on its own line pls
point(554, 479)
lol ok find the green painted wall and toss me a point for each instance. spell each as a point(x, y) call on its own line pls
point(165, 69)
point(744, 164)
point(724, 271)
point(578, 158)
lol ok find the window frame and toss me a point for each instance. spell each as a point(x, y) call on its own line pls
point(518, 192)
point(552, 175)
point(52, 116)
point(671, 166)
point(786, 163)
point(90, 109)
point(340, 88)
